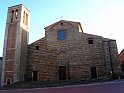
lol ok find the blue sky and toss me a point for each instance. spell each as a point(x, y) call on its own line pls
point(100, 17)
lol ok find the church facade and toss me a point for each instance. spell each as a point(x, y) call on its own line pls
point(65, 53)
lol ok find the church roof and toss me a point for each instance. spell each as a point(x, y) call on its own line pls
point(62, 21)
point(66, 21)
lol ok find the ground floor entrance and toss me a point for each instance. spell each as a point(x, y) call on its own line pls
point(93, 73)
point(34, 75)
point(62, 72)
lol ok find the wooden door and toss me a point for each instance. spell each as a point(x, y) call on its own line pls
point(93, 72)
point(35, 76)
point(62, 72)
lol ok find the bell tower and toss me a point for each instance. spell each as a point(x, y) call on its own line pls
point(15, 45)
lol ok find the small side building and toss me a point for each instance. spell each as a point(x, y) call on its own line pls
point(121, 59)
point(0, 67)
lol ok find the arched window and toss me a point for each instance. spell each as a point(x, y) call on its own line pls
point(24, 17)
point(12, 15)
point(16, 14)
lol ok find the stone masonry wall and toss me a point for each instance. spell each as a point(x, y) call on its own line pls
point(74, 52)
point(41, 60)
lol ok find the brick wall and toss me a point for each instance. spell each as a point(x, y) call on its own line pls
point(121, 60)
point(121, 57)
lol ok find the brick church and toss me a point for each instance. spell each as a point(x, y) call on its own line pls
point(65, 53)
